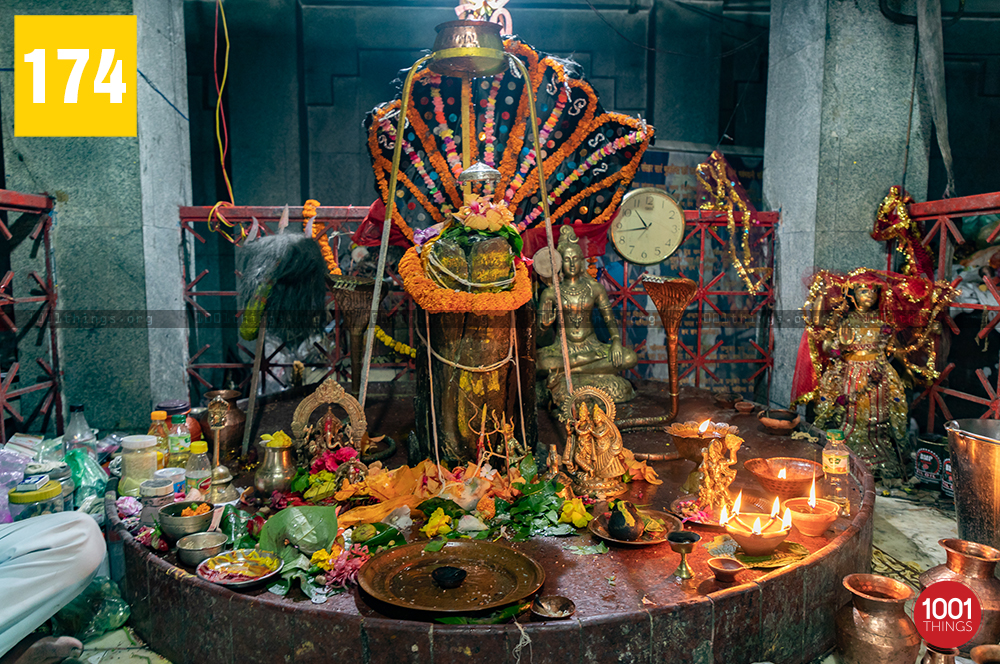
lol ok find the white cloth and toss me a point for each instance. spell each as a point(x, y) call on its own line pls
point(45, 562)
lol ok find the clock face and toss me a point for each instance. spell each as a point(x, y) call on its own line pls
point(649, 226)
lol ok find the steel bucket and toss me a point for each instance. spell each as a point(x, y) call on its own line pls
point(974, 446)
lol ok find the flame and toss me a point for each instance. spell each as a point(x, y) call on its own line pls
point(774, 508)
point(783, 474)
point(704, 426)
point(786, 521)
point(724, 517)
point(812, 495)
point(756, 526)
point(736, 505)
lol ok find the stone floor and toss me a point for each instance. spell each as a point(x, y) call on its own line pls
point(906, 535)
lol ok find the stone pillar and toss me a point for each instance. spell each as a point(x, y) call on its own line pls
point(117, 237)
point(838, 100)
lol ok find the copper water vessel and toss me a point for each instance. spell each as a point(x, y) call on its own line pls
point(874, 627)
point(468, 48)
point(935, 655)
point(973, 565)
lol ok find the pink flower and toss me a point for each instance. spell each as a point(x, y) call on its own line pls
point(345, 570)
point(330, 461)
point(344, 454)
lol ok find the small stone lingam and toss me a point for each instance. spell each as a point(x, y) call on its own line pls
point(449, 577)
point(812, 516)
point(758, 534)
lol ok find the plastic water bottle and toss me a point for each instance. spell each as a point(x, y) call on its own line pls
point(198, 472)
point(78, 433)
point(179, 440)
point(837, 468)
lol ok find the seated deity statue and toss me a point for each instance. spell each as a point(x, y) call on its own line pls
point(591, 362)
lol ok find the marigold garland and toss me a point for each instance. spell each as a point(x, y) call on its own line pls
point(431, 297)
point(319, 234)
point(397, 346)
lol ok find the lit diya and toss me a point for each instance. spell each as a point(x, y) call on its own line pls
point(812, 516)
point(758, 534)
point(713, 446)
point(785, 477)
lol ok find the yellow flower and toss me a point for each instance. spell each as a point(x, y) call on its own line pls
point(477, 222)
point(438, 524)
point(324, 559)
point(277, 439)
point(574, 512)
point(494, 220)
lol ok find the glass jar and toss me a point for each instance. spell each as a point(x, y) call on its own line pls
point(175, 475)
point(138, 463)
point(59, 472)
point(26, 504)
point(154, 494)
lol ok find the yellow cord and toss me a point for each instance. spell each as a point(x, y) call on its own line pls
point(218, 104)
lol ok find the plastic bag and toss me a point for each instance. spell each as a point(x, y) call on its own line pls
point(89, 477)
point(97, 610)
point(12, 467)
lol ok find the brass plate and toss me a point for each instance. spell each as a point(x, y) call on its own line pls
point(239, 560)
point(599, 526)
point(497, 575)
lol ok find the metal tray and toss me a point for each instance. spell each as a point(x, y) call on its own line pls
point(599, 527)
point(235, 558)
point(497, 575)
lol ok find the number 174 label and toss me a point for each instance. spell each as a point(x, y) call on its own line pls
point(74, 75)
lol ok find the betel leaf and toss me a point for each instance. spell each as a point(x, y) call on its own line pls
point(307, 529)
point(449, 507)
point(300, 482)
point(435, 545)
point(528, 467)
point(587, 550)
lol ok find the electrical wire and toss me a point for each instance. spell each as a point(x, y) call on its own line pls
point(739, 102)
point(221, 131)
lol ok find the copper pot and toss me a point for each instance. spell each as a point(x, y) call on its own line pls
point(231, 435)
point(874, 628)
point(935, 655)
point(468, 48)
point(972, 565)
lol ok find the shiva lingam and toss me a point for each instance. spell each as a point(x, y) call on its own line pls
point(812, 516)
point(756, 539)
point(449, 577)
point(222, 490)
point(785, 477)
point(682, 542)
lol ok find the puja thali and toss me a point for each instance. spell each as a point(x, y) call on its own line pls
point(495, 576)
point(668, 522)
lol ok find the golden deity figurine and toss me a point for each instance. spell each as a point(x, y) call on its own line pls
point(594, 447)
point(860, 392)
point(592, 363)
point(717, 472)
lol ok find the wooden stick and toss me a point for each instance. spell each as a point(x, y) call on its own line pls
point(254, 384)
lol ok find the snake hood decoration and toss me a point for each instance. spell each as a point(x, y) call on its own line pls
point(590, 155)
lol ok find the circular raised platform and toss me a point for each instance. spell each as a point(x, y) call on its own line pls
point(629, 607)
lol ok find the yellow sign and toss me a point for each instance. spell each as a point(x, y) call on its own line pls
point(75, 75)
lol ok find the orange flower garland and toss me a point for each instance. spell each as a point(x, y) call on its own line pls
point(431, 297)
point(319, 234)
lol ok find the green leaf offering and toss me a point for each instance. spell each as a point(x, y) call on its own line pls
point(587, 550)
point(300, 482)
point(528, 467)
point(449, 507)
point(435, 544)
point(307, 529)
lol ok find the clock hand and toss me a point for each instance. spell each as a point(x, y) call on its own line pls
point(644, 224)
point(630, 230)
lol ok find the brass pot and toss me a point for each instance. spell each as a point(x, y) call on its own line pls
point(277, 471)
point(468, 48)
point(874, 628)
point(231, 435)
point(972, 565)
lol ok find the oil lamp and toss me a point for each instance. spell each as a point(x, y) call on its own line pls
point(812, 516)
point(757, 539)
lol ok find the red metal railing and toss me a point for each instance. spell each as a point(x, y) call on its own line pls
point(940, 217)
point(699, 359)
point(42, 206)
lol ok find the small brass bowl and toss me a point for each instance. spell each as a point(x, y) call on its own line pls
point(725, 569)
point(192, 549)
point(553, 607)
point(174, 526)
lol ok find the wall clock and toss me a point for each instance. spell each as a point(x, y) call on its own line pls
point(649, 226)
